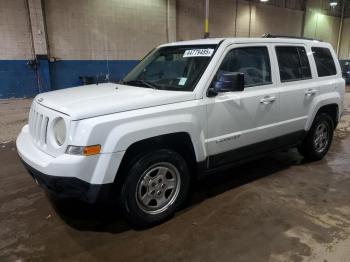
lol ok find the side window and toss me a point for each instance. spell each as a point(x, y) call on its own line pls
point(324, 61)
point(254, 62)
point(293, 63)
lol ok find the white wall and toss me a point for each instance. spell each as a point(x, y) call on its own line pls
point(15, 41)
point(252, 20)
point(219, 24)
point(258, 19)
point(345, 40)
point(277, 20)
point(123, 29)
point(245, 19)
point(190, 19)
point(322, 27)
point(128, 29)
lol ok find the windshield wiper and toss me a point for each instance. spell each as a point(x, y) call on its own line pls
point(140, 82)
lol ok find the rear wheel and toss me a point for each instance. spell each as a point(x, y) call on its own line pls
point(155, 188)
point(319, 138)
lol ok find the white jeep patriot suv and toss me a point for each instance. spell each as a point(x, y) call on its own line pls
point(187, 108)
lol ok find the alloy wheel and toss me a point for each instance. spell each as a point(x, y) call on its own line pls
point(158, 188)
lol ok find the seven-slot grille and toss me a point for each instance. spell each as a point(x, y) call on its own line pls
point(38, 125)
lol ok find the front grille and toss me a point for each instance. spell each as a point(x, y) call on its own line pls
point(38, 126)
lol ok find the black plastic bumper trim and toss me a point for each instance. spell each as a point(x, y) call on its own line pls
point(71, 187)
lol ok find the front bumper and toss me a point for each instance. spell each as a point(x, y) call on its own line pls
point(86, 178)
point(71, 187)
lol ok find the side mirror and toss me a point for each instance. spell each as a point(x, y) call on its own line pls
point(228, 82)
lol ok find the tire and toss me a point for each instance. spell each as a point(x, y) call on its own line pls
point(316, 146)
point(155, 187)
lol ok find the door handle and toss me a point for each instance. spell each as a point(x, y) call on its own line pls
point(310, 92)
point(267, 100)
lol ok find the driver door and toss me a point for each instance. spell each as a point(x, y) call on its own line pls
point(242, 123)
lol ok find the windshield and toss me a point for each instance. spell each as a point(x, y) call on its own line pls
point(171, 68)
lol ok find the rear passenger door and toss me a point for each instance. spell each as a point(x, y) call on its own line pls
point(297, 86)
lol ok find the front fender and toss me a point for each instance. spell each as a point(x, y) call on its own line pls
point(116, 132)
point(128, 133)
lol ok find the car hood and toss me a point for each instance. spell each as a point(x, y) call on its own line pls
point(96, 100)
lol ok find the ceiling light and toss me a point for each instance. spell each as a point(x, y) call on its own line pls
point(333, 3)
point(264, 0)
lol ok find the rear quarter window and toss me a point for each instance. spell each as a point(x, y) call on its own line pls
point(324, 61)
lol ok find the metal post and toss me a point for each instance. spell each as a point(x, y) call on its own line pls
point(167, 21)
point(206, 22)
point(250, 17)
point(236, 18)
point(30, 30)
point(304, 4)
point(340, 28)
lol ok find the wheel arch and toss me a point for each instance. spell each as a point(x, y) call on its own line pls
point(332, 110)
point(328, 103)
point(180, 142)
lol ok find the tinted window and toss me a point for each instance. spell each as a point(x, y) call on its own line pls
point(252, 61)
point(304, 63)
point(293, 63)
point(324, 61)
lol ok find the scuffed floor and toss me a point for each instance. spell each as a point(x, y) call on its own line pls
point(13, 116)
point(278, 208)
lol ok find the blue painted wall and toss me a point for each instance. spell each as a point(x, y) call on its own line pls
point(66, 73)
point(44, 75)
point(18, 80)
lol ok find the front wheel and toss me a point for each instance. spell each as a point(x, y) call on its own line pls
point(155, 188)
point(319, 138)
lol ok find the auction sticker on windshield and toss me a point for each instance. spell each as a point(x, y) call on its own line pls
point(198, 52)
point(182, 81)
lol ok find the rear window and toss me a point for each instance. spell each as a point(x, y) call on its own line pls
point(293, 63)
point(324, 61)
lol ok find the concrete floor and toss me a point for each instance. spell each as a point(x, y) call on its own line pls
point(277, 209)
point(13, 116)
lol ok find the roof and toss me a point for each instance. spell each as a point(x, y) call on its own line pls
point(213, 41)
point(204, 41)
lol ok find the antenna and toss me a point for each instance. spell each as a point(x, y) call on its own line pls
point(107, 54)
point(107, 76)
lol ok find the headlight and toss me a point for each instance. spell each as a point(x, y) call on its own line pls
point(59, 129)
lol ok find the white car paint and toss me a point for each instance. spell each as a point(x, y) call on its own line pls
point(116, 116)
point(96, 100)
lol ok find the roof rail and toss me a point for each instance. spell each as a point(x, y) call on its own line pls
point(284, 36)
